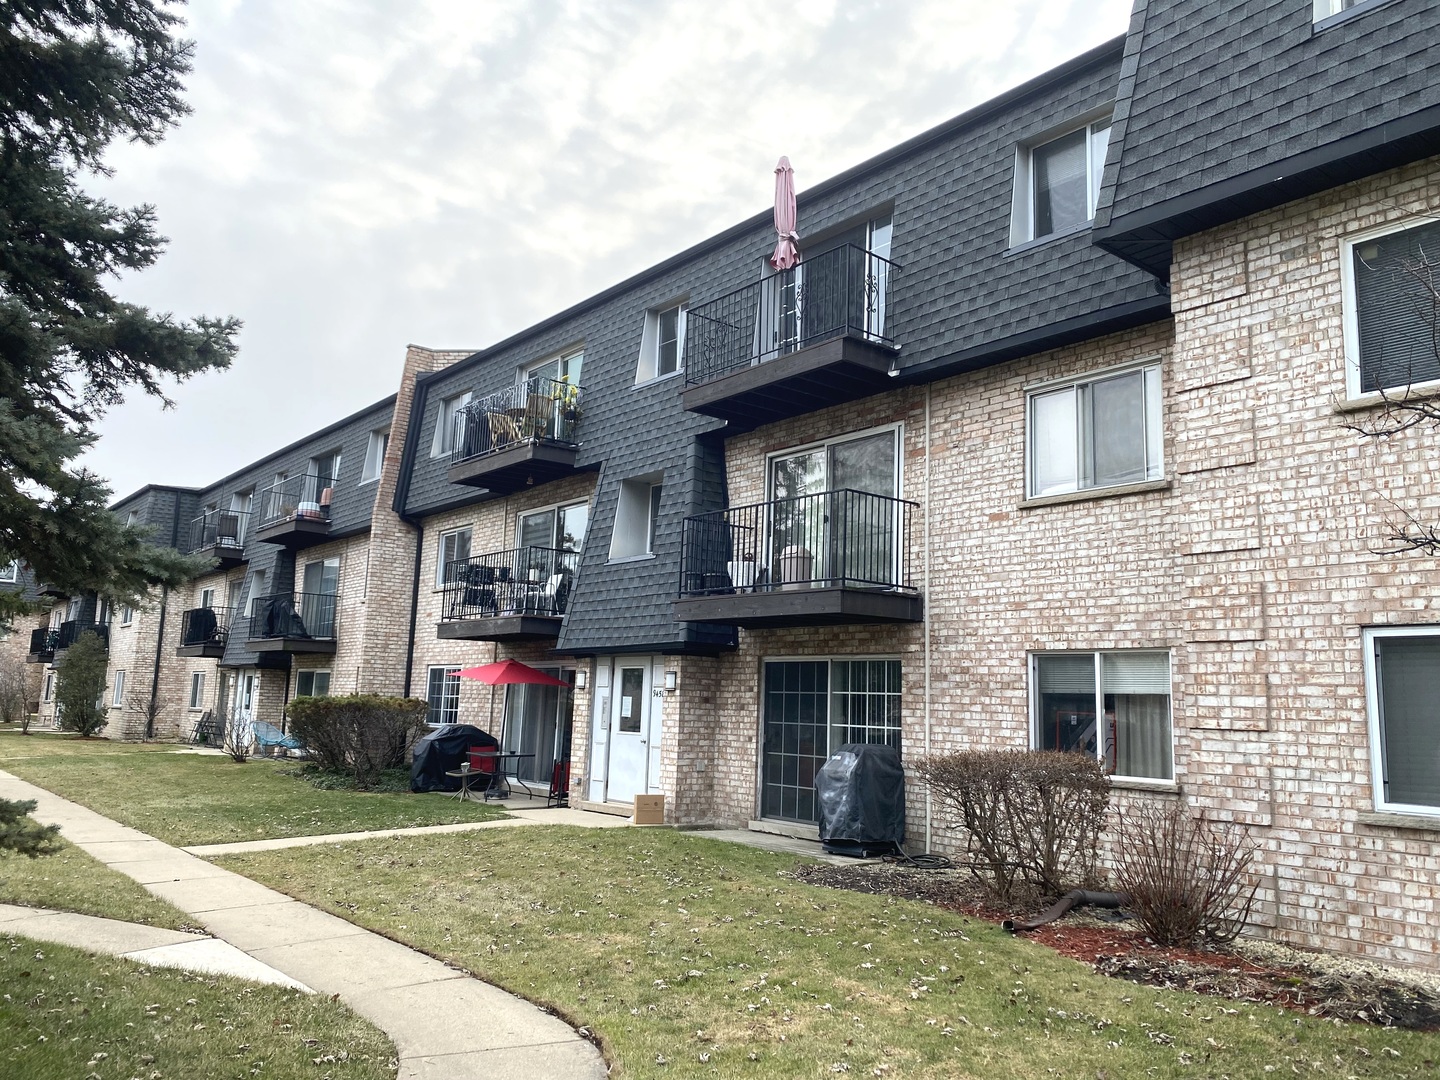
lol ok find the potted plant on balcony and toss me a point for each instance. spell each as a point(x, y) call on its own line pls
point(567, 401)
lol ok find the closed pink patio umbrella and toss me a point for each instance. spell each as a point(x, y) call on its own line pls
point(787, 249)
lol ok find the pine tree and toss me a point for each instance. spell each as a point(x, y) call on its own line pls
point(80, 685)
point(22, 834)
point(75, 75)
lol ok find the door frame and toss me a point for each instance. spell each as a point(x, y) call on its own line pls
point(602, 712)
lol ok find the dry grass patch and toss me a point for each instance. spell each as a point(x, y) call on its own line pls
point(691, 957)
point(71, 880)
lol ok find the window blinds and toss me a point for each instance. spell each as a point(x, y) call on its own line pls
point(1396, 308)
point(1135, 673)
point(1408, 673)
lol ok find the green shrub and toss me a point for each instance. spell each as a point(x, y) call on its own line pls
point(1031, 818)
point(361, 735)
point(80, 686)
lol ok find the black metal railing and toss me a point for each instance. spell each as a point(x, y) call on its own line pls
point(845, 290)
point(43, 640)
point(219, 528)
point(538, 410)
point(70, 633)
point(846, 539)
point(206, 626)
point(522, 581)
point(303, 615)
point(306, 496)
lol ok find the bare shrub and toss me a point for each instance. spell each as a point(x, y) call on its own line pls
point(361, 734)
point(1031, 818)
point(14, 693)
point(1188, 880)
point(239, 740)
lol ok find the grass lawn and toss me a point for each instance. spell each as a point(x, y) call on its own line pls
point(71, 880)
point(692, 957)
point(66, 1014)
point(209, 799)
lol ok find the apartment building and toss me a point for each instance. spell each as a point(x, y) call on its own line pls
point(1047, 441)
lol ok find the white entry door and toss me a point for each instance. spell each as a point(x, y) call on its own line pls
point(629, 729)
point(246, 689)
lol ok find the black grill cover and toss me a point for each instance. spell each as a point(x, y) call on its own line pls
point(444, 749)
point(860, 793)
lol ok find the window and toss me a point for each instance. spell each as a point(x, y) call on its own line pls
point(1402, 684)
point(810, 709)
point(563, 368)
point(447, 424)
point(443, 695)
point(375, 451)
point(1098, 433)
point(127, 615)
point(132, 517)
point(197, 689)
point(207, 598)
point(49, 685)
point(11, 571)
point(312, 684)
point(257, 590)
point(561, 528)
point(118, 698)
point(454, 548)
point(240, 501)
point(1115, 705)
point(1058, 182)
point(662, 346)
point(1391, 308)
point(1327, 9)
point(636, 517)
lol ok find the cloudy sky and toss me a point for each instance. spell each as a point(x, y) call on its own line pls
point(359, 174)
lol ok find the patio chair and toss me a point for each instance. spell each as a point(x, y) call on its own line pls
point(270, 740)
point(559, 794)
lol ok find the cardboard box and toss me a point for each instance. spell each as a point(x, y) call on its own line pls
point(649, 810)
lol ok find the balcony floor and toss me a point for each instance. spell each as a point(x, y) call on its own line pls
point(829, 373)
point(500, 628)
point(506, 471)
point(226, 556)
point(295, 533)
point(802, 606)
point(210, 650)
point(292, 645)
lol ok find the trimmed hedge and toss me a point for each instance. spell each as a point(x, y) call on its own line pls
point(360, 734)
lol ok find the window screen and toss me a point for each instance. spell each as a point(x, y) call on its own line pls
point(1396, 307)
point(1407, 674)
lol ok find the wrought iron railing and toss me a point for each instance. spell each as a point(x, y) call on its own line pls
point(845, 290)
point(538, 410)
point(306, 496)
point(206, 626)
point(522, 581)
point(70, 633)
point(301, 615)
point(219, 528)
point(43, 640)
point(846, 539)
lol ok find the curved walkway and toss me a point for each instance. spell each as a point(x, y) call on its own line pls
point(443, 1022)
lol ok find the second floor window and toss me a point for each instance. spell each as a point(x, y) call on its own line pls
point(447, 424)
point(1058, 182)
point(375, 449)
point(637, 518)
point(1095, 433)
point(454, 548)
point(663, 345)
point(1391, 308)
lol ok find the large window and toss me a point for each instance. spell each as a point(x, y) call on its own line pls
point(1114, 705)
point(1057, 182)
point(1402, 681)
point(563, 368)
point(537, 722)
point(447, 424)
point(1391, 308)
point(663, 345)
point(197, 690)
point(1095, 433)
point(810, 709)
point(559, 527)
point(443, 695)
point(454, 548)
point(312, 684)
point(375, 448)
point(637, 517)
point(118, 699)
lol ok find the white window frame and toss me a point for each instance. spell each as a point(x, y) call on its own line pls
point(1098, 655)
point(207, 597)
point(632, 535)
point(443, 442)
point(132, 517)
point(10, 572)
point(1157, 436)
point(648, 369)
point(557, 509)
point(127, 615)
point(376, 448)
point(197, 691)
point(1330, 11)
point(314, 674)
point(563, 358)
point(1022, 217)
point(117, 697)
point(49, 686)
point(1372, 710)
point(440, 559)
point(451, 671)
point(1351, 313)
point(897, 430)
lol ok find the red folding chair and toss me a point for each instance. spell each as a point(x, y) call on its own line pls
point(483, 761)
point(559, 785)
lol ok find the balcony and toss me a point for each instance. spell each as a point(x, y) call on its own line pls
point(42, 645)
point(303, 623)
point(800, 340)
point(516, 595)
point(519, 437)
point(295, 513)
point(70, 632)
point(204, 632)
point(828, 559)
point(220, 535)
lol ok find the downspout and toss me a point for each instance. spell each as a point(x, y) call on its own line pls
point(419, 528)
point(155, 675)
point(929, 601)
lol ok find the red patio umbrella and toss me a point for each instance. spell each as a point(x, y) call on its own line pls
point(787, 249)
point(509, 671)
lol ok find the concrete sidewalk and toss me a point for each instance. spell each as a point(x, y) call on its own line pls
point(444, 1023)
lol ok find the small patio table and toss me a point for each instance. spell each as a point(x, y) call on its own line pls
point(466, 774)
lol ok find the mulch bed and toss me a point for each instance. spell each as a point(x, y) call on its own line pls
point(1114, 945)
